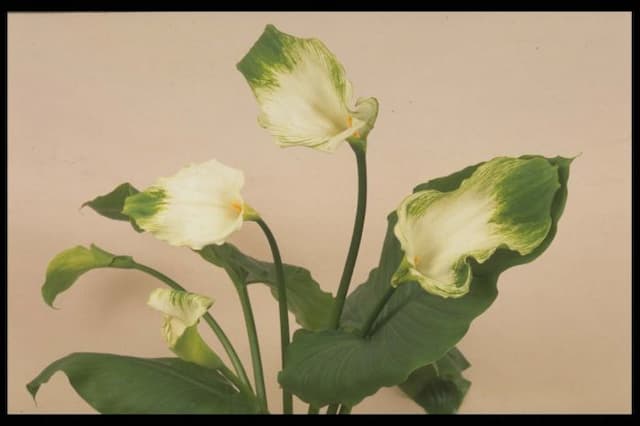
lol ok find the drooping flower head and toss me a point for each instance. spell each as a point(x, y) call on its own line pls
point(506, 203)
point(303, 93)
point(182, 312)
point(199, 205)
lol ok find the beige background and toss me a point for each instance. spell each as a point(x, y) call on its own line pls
point(99, 99)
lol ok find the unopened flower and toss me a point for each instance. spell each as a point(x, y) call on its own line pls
point(182, 312)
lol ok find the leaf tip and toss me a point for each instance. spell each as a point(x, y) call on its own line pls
point(48, 296)
point(33, 388)
point(87, 204)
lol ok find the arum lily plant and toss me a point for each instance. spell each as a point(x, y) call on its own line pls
point(446, 245)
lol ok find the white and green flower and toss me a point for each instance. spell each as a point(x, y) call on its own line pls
point(505, 203)
point(303, 93)
point(199, 205)
point(182, 312)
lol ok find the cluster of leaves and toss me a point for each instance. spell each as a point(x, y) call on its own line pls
point(411, 345)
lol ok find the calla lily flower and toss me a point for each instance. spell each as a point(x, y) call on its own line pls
point(505, 203)
point(303, 93)
point(199, 205)
point(182, 313)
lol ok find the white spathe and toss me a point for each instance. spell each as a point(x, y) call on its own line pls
point(199, 205)
point(303, 93)
point(438, 239)
point(505, 203)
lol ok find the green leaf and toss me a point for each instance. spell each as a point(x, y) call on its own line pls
point(110, 205)
point(115, 384)
point(439, 387)
point(311, 306)
point(66, 267)
point(414, 328)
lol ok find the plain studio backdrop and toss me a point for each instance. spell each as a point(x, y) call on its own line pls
point(99, 99)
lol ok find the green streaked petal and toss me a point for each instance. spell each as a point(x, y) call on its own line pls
point(365, 114)
point(303, 92)
point(181, 305)
point(199, 205)
point(506, 203)
point(143, 206)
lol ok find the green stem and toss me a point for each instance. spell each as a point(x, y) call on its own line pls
point(345, 409)
point(235, 359)
point(356, 236)
point(242, 387)
point(159, 275)
point(255, 346)
point(287, 398)
point(224, 340)
point(366, 332)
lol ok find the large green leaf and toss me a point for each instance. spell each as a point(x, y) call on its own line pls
point(439, 387)
point(414, 328)
point(311, 306)
point(110, 205)
point(66, 267)
point(126, 385)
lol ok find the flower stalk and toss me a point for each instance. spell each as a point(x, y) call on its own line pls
point(287, 398)
point(254, 344)
point(356, 236)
